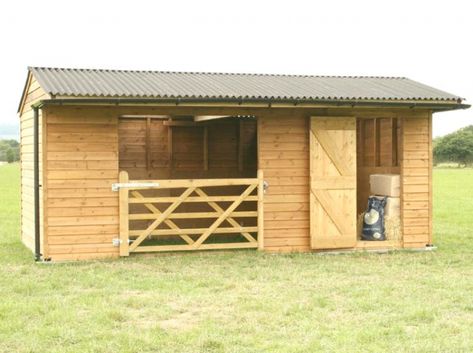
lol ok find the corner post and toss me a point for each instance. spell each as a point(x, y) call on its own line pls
point(123, 210)
point(37, 214)
point(260, 210)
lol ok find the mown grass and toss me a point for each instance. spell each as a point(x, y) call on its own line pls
point(245, 301)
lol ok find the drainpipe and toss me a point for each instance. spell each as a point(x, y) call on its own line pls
point(37, 243)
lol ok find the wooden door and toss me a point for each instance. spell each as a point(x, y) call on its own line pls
point(333, 182)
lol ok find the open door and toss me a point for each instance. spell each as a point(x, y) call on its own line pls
point(333, 182)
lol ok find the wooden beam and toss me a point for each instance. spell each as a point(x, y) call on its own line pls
point(185, 183)
point(260, 219)
point(148, 144)
point(430, 180)
point(124, 212)
point(179, 123)
point(377, 142)
point(170, 150)
point(190, 215)
point(193, 199)
point(240, 146)
point(217, 246)
point(145, 116)
point(394, 144)
point(223, 230)
point(206, 148)
point(361, 152)
point(201, 118)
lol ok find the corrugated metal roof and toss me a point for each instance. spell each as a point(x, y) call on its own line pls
point(202, 86)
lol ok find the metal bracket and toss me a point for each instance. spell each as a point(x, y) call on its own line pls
point(265, 186)
point(118, 186)
point(117, 241)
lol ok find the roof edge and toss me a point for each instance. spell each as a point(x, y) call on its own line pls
point(32, 68)
point(434, 106)
point(25, 91)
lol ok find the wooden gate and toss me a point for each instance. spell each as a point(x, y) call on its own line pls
point(165, 215)
point(333, 182)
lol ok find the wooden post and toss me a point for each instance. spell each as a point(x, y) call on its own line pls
point(206, 148)
point(123, 207)
point(170, 157)
point(431, 164)
point(377, 142)
point(395, 157)
point(240, 146)
point(148, 144)
point(260, 210)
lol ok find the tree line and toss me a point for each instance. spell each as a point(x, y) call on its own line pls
point(456, 147)
point(9, 151)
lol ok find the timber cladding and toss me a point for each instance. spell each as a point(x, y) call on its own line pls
point(417, 181)
point(283, 154)
point(33, 94)
point(85, 147)
point(82, 163)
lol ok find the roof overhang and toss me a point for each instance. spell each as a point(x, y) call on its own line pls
point(434, 106)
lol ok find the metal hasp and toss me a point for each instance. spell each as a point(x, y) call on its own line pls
point(118, 186)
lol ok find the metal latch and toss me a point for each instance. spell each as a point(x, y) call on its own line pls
point(118, 186)
point(265, 186)
point(117, 241)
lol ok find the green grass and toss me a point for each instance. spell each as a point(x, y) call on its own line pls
point(245, 301)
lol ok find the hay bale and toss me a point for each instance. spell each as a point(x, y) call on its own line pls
point(359, 224)
point(392, 225)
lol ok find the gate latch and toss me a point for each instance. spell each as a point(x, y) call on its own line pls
point(118, 186)
point(265, 186)
point(117, 241)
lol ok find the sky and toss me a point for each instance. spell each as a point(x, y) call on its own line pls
point(428, 41)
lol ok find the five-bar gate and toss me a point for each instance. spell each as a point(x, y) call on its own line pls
point(185, 215)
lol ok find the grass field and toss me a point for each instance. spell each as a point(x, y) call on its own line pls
point(245, 301)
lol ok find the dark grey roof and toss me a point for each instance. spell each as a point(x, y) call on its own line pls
point(159, 84)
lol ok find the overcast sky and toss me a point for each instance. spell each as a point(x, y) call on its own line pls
point(428, 41)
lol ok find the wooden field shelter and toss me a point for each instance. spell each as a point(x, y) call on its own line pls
point(121, 162)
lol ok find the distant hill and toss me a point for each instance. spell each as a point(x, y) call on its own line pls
point(9, 131)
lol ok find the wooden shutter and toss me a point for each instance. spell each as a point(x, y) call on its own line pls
point(333, 182)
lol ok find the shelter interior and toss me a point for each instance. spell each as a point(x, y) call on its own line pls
point(181, 147)
point(156, 147)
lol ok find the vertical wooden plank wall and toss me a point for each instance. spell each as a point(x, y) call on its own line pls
point(227, 151)
point(143, 148)
point(283, 154)
point(377, 152)
point(416, 166)
point(34, 94)
point(82, 163)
